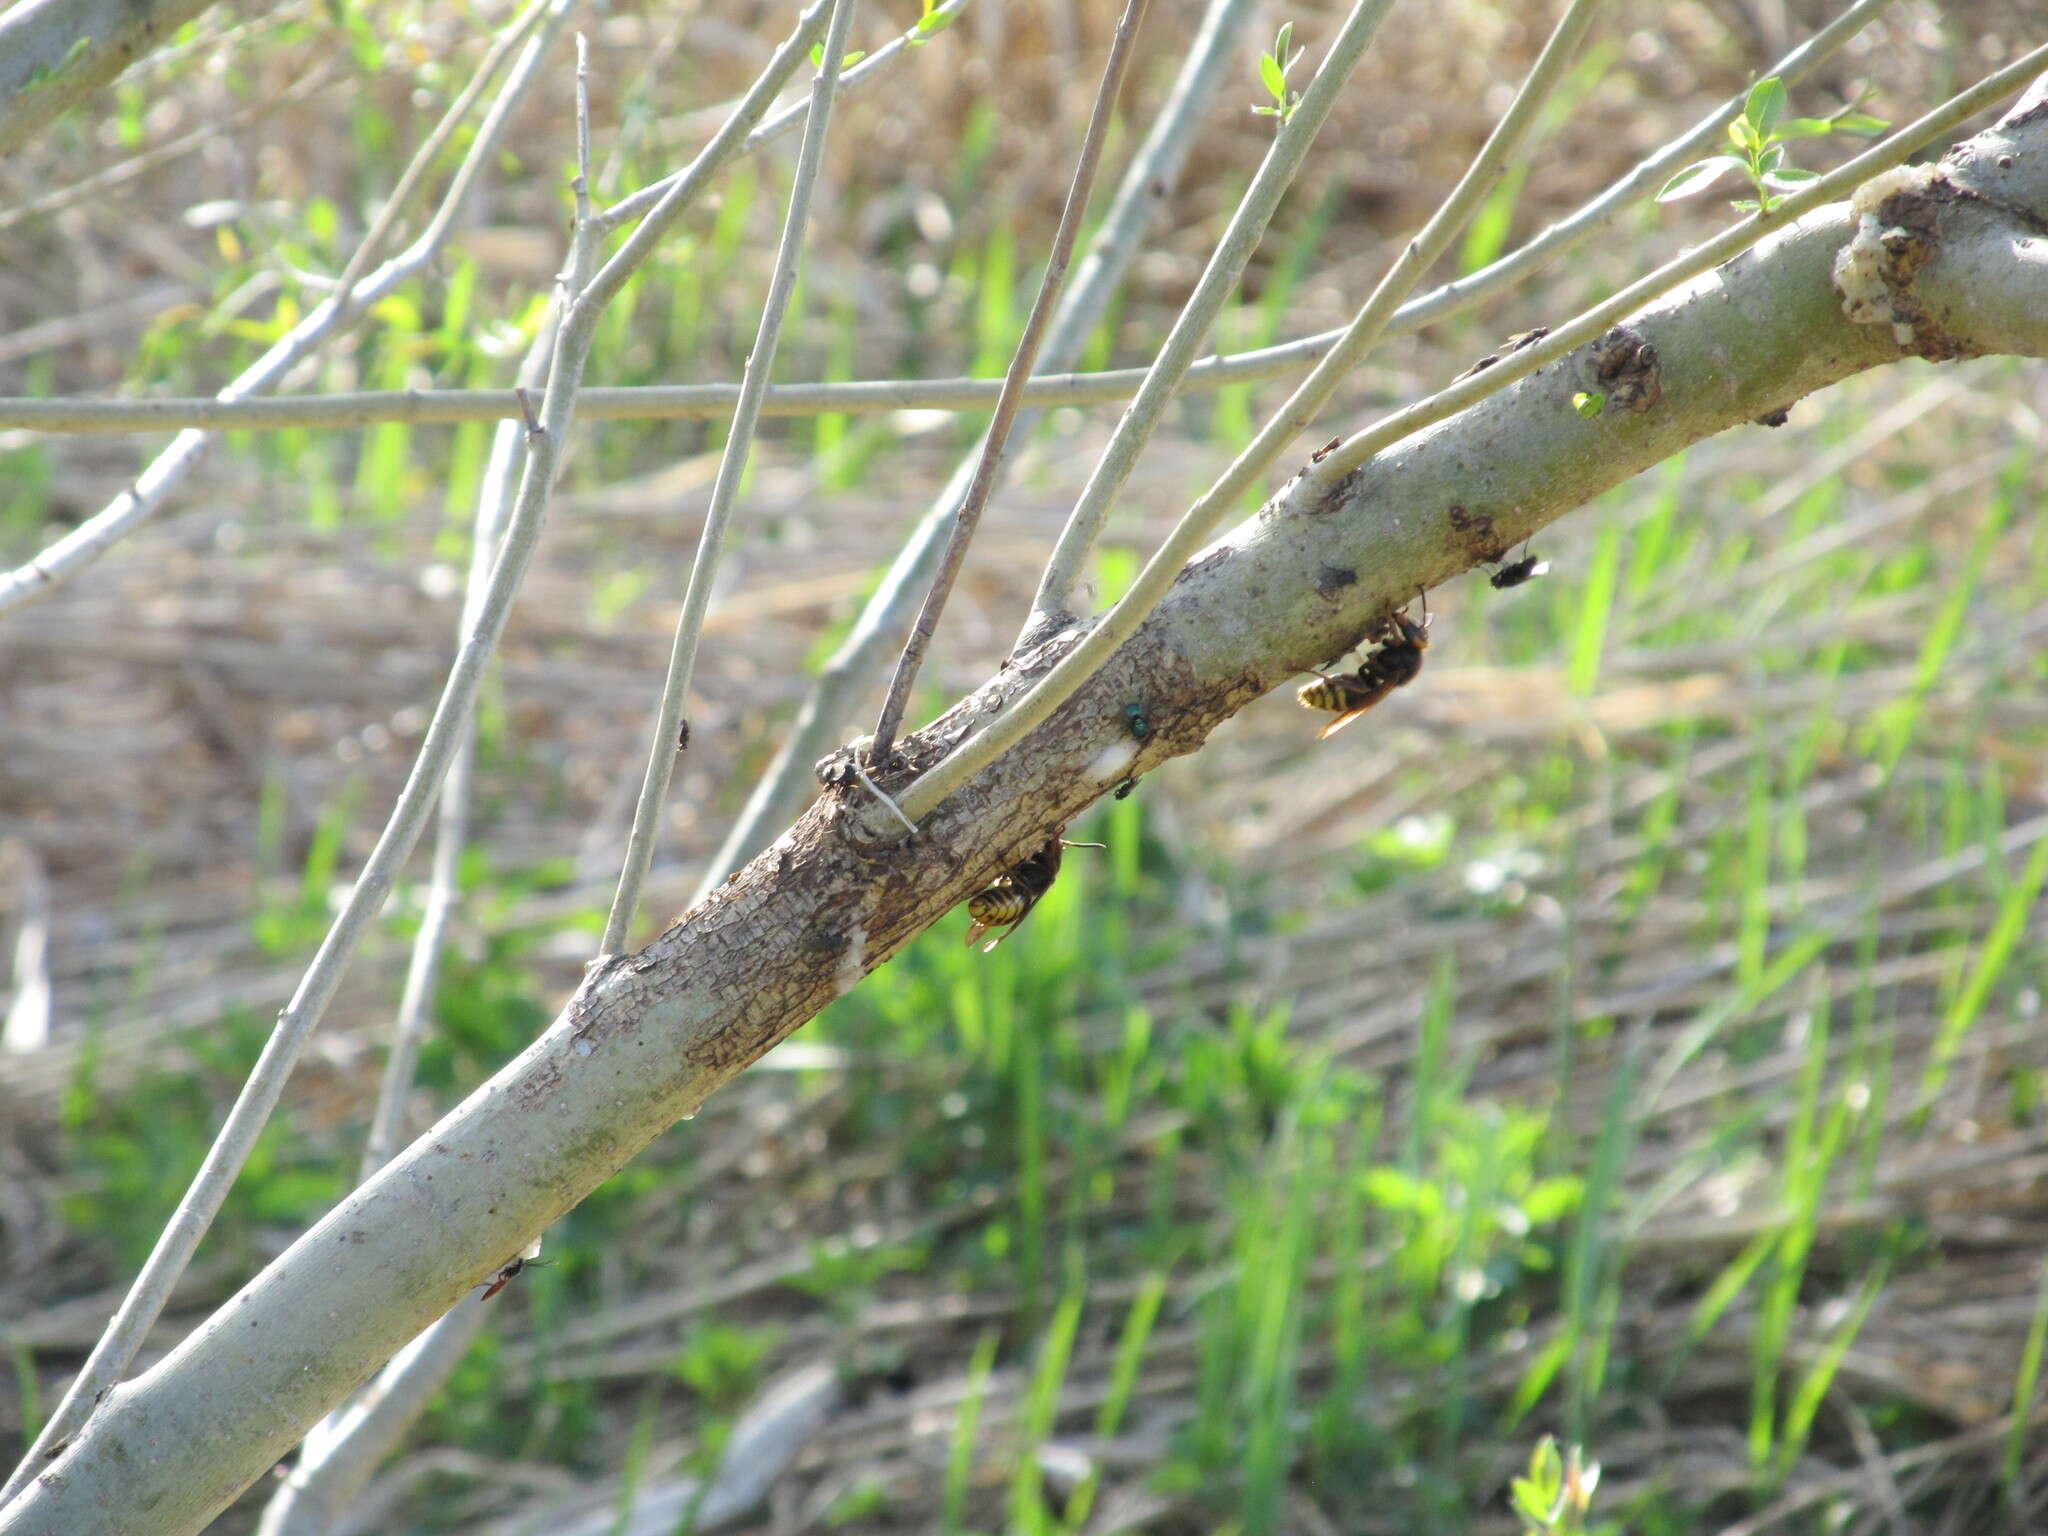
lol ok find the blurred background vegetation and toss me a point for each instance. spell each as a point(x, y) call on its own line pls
point(1636, 1038)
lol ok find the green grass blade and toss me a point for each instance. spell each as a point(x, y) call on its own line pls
point(960, 1454)
point(1041, 1408)
point(2024, 1381)
point(2014, 908)
point(1596, 607)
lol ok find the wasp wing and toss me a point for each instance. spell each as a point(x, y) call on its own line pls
point(1343, 720)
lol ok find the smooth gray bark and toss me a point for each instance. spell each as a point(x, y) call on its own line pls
point(1939, 263)
point(55, 53)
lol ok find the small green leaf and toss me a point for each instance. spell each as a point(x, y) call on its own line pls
point(1742, 133)
point(932, 23)
point(1589, 404)
point(818, 55)
point(1700, 175)
point(1766, 104)
point(1282, 38)
point(1789, 177)
point(1860, 123)
point(1531, 1505)
point(1539, 1497)
point(1272, 76)
point(1803, 128)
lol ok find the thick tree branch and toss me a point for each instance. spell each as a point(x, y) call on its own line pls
point(650, 1037)
point(55, 53)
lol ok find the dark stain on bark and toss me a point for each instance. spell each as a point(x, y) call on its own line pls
point(1332, 579)
point(533, 1089)
point(1476, 533)
point(1338, 494)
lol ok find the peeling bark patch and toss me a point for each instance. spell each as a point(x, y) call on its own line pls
point(1110, 764)
point(853, 962)
point(1626, 370)
point(1332, 579)
point(1898, 232)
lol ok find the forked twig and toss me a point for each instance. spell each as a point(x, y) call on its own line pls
point(628, 208)
point(1123, 620)
point(997, 438)
point(1218, 281)
point(1077, 539)
point(1153, 172)
point(89, 540)
point(732, 465)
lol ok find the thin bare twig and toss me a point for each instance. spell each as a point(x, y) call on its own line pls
point(626, 209)
point(1011, 400)
point(224, 1159)
point(739, 443)
point(415, 174)
point(444, 892)
point(710, 401)
point(581, 185)
point(643, 402)
point(1218, 281)
point(1077, 539)
point(134, 506)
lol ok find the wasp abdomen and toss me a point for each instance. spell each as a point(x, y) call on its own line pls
point(1396, 663)
point(998, 906)
point(1010, 899)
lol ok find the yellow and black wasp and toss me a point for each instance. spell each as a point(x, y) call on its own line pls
point(1351, 694)
point(1009, 901)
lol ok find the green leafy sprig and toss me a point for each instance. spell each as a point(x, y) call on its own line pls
point(1554, 1499)
point(1758, 138)
point(931, 23)
point(1273, 70)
